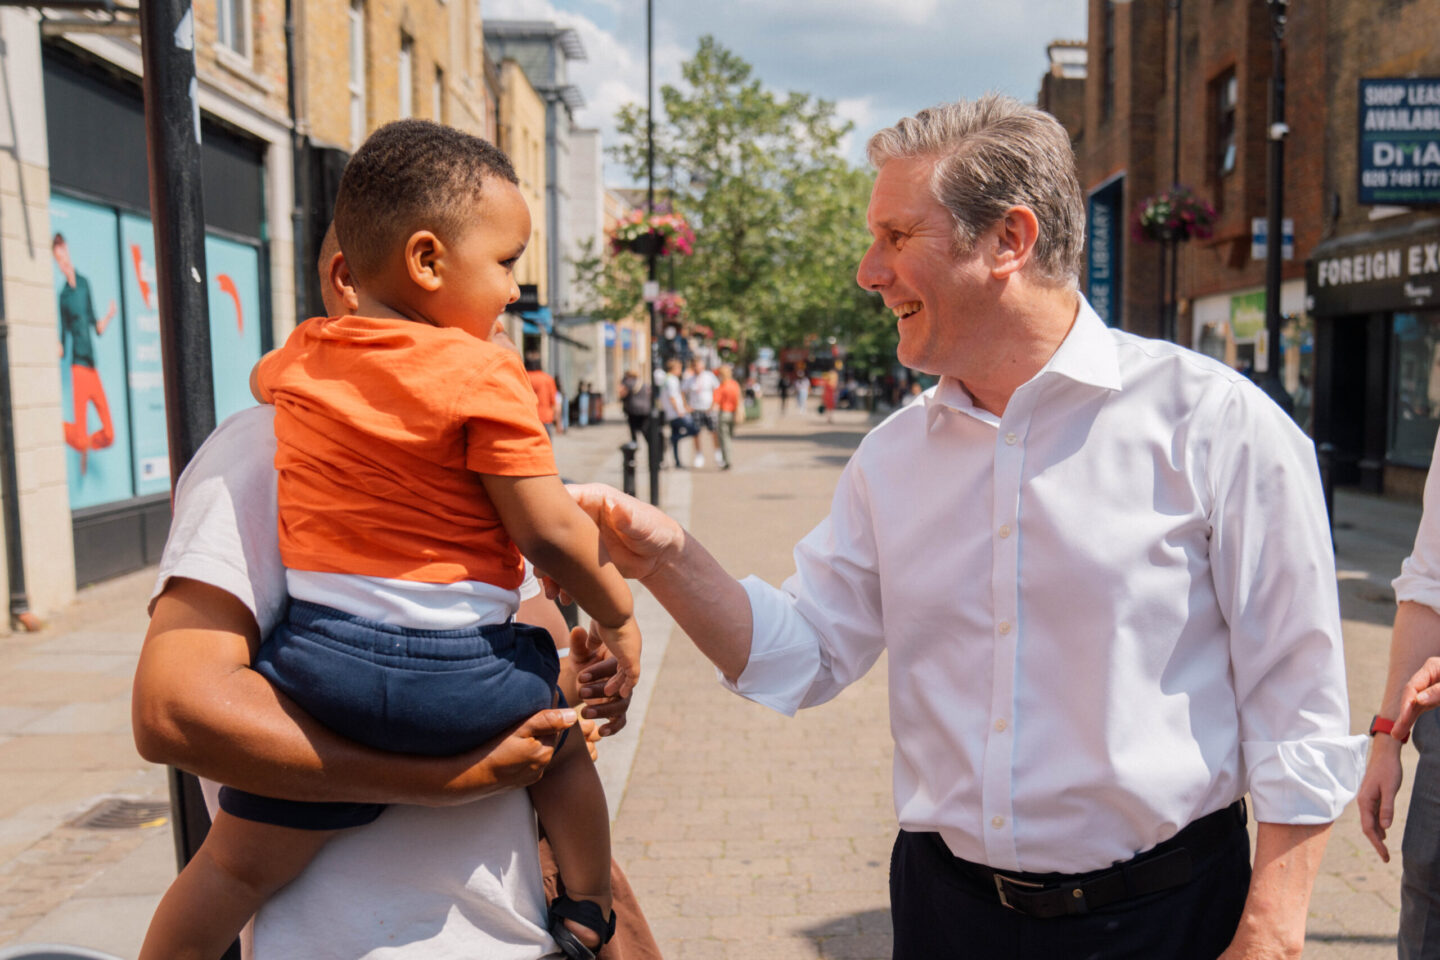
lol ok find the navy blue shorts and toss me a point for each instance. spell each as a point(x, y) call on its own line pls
point(427, 692)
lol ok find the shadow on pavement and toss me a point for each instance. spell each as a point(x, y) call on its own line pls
point(1362, 938)
point(855, 936)
point(828, 438)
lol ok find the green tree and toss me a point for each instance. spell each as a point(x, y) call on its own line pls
point(778, 213)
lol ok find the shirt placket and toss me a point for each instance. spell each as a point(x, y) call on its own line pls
point(997, 782)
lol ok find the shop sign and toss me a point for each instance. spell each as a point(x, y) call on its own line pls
point(1103, 252)
point(1402, 275)
point(609, 331)
point(1399, 140)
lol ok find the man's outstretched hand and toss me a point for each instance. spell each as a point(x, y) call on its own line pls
point(637, 537)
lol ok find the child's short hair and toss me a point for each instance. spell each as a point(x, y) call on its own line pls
point(411, 175)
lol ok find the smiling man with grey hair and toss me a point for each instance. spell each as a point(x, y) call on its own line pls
point(1102, 570)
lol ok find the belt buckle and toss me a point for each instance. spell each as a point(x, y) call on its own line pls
point(1001, 880)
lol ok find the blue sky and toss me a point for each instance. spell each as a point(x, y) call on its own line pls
point(878, 60)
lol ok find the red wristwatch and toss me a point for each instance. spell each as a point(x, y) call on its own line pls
point(1380, 725)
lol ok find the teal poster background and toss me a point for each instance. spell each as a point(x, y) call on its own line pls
point(146, 380)
point(114, 251)
point(234, 270)
point(98, 466)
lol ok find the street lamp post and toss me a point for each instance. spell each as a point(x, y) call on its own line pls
point(653, 438)
point(1274, 384)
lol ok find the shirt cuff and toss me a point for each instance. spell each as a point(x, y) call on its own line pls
point(784, 651)
point(1417, 588)
point(1304, 781)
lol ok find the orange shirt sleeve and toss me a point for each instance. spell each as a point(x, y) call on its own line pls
point(503, 433)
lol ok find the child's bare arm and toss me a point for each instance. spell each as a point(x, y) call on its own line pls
point(549, 528)
point(555, 534)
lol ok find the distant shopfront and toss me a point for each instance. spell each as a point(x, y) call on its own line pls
point(1376, 300)
point(113, 398)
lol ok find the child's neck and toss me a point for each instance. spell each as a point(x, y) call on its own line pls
point(369, 306)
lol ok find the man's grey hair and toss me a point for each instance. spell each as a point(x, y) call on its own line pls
point(992, 154)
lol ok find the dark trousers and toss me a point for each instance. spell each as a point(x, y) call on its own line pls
point(942, 911)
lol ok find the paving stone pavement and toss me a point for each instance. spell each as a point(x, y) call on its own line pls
point(746, 834)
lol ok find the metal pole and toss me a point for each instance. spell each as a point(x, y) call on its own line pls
point(1173, 300)
point(172, 145)
point(1274, 384)
point(652, 429)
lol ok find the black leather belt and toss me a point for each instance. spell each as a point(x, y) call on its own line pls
point(1164, 867)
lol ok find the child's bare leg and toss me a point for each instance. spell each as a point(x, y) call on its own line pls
point(571, 804)
point(238, 867)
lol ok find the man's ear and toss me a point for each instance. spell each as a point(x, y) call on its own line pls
point(423, 255)
point(1015, 237)
point(342, 285)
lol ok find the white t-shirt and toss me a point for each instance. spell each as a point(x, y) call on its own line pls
point(700, 390)
point(420, 883)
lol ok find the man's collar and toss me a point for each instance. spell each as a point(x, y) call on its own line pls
point(1087, 355)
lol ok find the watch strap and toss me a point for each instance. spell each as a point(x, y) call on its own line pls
point(1381, 725)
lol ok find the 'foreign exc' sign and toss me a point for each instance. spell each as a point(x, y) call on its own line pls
point(1400, 141)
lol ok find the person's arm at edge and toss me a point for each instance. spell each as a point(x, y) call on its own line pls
point(1415, 638)
point(646, 545)
point(198, 706)
point(1287, 859)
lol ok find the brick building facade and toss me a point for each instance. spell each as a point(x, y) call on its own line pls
point(1373, 279)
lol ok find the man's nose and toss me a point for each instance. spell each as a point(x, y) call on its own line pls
point(872, 274)
point(514, 292)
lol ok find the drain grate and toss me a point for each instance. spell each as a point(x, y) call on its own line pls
point(118, 813)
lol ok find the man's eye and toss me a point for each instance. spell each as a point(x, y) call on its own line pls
point(897, 240)
point(510, 264)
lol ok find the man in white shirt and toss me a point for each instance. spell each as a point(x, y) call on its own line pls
point(700, 389)
point(677, 412)
point(1101, 568)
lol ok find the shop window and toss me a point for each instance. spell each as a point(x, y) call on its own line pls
point(1226, 97)
point(357, 72)
point(1107, 94)
point(232, 19)
point(1415, 404)
point(111, 376)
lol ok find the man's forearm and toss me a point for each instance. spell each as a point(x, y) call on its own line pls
point(1287, 858)
point(707, 603)
point(1416, 638)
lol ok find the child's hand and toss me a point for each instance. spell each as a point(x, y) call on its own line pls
point(623, 642)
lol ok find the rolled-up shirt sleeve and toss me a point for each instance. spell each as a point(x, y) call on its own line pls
point(1419, 580)
point(822, 630)
point(1272, 561)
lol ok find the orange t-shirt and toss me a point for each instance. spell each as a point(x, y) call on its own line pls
point(545, 393)
point(727, 396)
point(382, 430)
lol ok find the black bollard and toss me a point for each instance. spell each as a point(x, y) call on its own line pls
point(1325, 454)
point(627, 455)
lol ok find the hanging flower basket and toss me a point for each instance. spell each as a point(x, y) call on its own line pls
point(1176, 214)
point(663, 234)
point(670, 305)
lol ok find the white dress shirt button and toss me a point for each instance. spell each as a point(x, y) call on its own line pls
point(1004, 531)
point(1004, 627)
point(997, 822)
point(1000, 725)
point(1010, 439)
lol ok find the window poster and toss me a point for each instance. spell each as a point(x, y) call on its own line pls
point(110, 342)
point(91, 345)
point(146, 378)
point(234, 270)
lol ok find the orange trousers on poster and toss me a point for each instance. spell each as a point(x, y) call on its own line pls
point(86, 388)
